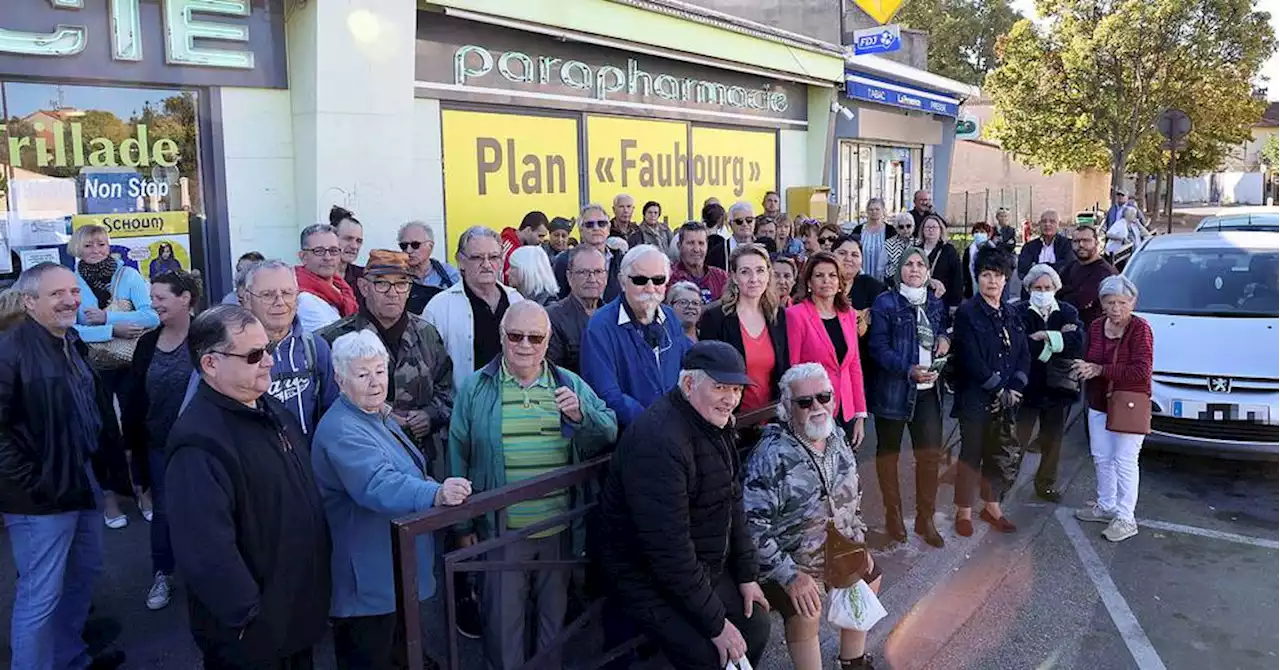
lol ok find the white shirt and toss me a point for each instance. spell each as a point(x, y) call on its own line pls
point(1047, 255)
point(314, 313)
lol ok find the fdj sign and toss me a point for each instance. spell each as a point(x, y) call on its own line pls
point(181, 28)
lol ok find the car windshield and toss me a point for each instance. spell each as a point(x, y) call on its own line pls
point(1228, 282)
point(1261, 221)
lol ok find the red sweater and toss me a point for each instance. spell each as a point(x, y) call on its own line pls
point(1132, 369)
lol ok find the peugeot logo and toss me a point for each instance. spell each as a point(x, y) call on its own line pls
point(1219, 384)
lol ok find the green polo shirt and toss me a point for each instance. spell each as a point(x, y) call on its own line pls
point(532, 445)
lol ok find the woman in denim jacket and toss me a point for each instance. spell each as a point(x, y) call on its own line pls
point(908, 333)
point(993, 365)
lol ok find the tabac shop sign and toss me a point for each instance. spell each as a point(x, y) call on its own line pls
point(184, 42)
point(458, 59)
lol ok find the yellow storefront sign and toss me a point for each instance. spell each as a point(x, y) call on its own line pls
point(139, 224)
point(648, 160)
point(880, 10)
point(733, 165)
point(499, 167)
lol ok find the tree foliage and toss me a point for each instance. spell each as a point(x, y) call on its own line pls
point(1270, 155)
point(1087, 90)
point(962, 34)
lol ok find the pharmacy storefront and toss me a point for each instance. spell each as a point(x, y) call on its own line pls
point(106, 118)
point(532, 122)
point(895, 136)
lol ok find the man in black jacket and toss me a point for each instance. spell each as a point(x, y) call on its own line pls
point(674, 545)
point(1050, 248)
point(246, 519)
point(58, 437)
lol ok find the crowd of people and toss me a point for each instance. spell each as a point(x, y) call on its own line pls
point(270, 440)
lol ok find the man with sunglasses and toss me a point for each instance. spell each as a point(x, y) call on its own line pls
point(246, 519)
point(324, 295)
point(419, 372)
point(593, 226)
point(633, 345)
point(518, 417)
point(467, 314)
point(741, 221)
point(430, 276)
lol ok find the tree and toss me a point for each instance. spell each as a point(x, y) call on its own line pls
point(1270, 154)
point(1086, 91)
point(962, 34)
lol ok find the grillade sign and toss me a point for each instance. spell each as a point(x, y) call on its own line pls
point(180, 42)
point(467, 61)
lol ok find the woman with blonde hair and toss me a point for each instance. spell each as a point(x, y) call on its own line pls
point(115, 310)
point(12, 310)
point(749, 319)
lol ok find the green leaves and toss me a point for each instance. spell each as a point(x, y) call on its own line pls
point(962, 34)
point(1087, 88)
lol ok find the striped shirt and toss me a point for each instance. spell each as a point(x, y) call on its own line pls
point(533, 445)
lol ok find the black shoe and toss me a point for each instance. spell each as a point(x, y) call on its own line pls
point(107, 660)
point(926, 530)
point(1049, 494)
point(862, 662)
point(469, 618)
point(98, 634)
point(894, 527)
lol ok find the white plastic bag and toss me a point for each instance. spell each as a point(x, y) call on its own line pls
point(855, 608)
point(740, 664)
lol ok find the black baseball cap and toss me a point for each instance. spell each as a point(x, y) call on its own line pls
point(719, 360)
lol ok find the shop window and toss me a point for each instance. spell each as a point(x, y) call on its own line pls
point(125, 158)
point(891, 173)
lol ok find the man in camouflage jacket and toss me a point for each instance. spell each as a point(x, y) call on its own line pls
point(801, 475)
point(421, 373)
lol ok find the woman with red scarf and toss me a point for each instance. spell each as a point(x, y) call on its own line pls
point(323, 296)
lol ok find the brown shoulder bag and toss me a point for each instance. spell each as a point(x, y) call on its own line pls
point(845, 561)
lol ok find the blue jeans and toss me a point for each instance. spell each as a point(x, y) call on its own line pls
point(161, 549)
point(58, 557)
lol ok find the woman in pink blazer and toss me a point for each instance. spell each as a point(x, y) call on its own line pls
point(823, 329)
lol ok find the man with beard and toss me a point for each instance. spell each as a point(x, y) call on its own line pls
point(632, 348)
point(801, 477)
point(693, 268)
point(1080, 280)
point(324, 295)
point(58, 438)
point(677, 558)
point(419, 372)
point(772, 204)
point(569, 316)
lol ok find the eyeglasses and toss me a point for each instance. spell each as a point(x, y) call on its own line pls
point(385, 286)
point(686, 303)
point(270, 297)
point(641, 280)
point(325, 251)
point(482, 258)
point(254, 357)
point(741, 221)
point(594, 274)
point(534, 338)
point(806, 401)
point(415, 245)
point(595, 224)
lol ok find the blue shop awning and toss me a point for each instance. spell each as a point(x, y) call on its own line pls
point(861, 86)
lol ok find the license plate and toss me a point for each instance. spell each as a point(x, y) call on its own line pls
point(1191, 409)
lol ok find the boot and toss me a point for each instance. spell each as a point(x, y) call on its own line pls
point(926, 495)
point(887, 473)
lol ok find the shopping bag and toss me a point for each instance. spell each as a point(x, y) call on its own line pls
point(855, 608)
point(740, 664)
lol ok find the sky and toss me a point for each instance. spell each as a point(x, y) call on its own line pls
point(1271, 68)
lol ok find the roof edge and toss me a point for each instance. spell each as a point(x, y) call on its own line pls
point(717, 19)
point(872, 64)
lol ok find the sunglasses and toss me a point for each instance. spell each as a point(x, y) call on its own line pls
point(254, 357)
point(595, 224)
point(827, 240)
point(534, 339)
point(806, 401)
point(405, 246)
point(749, 219)
point(640, 280)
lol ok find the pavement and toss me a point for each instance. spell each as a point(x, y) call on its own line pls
point(1197, 588)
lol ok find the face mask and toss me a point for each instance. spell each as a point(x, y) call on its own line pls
point(1043, 299)
point(914, 294)
point(980, 238)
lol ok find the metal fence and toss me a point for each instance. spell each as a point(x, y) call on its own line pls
point(965, 208)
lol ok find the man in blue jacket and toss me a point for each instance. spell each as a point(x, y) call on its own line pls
point(632, 349)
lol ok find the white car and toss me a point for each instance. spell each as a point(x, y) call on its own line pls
point(1211, 299)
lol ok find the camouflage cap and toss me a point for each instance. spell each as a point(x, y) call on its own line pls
point(386, 262)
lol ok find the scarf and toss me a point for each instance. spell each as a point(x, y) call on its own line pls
point(334, 291)
point(919, 298)
point(98, 277)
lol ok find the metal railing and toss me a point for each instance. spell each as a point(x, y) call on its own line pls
point(404, 549)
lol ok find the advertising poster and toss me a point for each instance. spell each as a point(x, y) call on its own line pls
point(33, 257)
point(733, 165)
point(153, 243)
point(648, 160)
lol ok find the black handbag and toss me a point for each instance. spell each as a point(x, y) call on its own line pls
point(1059, 375)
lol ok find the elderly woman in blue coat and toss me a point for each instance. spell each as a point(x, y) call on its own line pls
point(908, 335)
point(370, 472)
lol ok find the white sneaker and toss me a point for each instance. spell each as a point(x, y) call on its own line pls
point(1095, 514)
point(158, 596)
point(115, 522)
point(1120, 529)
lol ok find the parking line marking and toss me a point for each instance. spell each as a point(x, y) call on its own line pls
point(1211, 534)
point(1130, 630)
